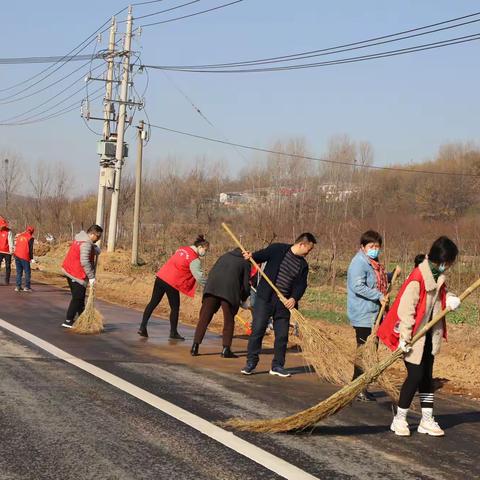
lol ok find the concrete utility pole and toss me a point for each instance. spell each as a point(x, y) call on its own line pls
point(138, 192)
point(107, 110)
point(122, 113)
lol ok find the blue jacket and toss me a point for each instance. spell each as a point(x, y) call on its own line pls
point(363, 298)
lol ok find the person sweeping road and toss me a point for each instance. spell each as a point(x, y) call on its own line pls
point(228, 285)
point(79, 268)
point(23, 254)
point(288, 270)
point(180, 273)
point(6, 248)
point(367, 285)
point(421, 297)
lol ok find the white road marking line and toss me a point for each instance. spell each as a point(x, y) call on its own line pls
point(248, 450)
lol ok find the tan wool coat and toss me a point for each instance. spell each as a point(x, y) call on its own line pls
point(406, 313)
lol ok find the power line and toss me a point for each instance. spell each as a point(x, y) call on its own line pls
point(12, 99)
point(64, 110)
point(167, 10)
point(316, 159)
point(307, 54)
point(360, 58)
point(324, 52)
point(51, 98)
point(48, 59)
point(97, 31)
point(192, 14)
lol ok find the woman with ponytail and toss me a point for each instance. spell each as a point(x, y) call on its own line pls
point(179, 274)
point(421, 297)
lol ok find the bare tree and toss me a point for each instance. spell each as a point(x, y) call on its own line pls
point(40, 180)
point(11, 174)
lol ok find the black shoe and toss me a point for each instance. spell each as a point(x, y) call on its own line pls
point(67, 324)
point(142, 331)
point(194, 350)
point(248, 369)
point(176, 336)
point(365, 397)
point(227, 353)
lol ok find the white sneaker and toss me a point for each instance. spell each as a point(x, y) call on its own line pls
point(430, 427)
point(400, 427)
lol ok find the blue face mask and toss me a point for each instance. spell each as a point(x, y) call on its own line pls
point(373, 253)
point(442, 267)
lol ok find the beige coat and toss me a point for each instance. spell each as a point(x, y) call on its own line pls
point(406, 313)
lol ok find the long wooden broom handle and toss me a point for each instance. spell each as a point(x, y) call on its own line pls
point(396, 273)
point(254, 263)
point(442, 314)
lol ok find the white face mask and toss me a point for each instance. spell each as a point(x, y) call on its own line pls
point(201, 251)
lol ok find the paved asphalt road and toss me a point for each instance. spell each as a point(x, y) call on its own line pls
point(59, 422)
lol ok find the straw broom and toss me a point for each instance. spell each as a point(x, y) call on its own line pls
point(369, 351)
point(90, 322)
point(343, 397)
point(318, 348)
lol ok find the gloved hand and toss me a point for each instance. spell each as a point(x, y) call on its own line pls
point(453, 302)
point(91, 281)
point(404, 346)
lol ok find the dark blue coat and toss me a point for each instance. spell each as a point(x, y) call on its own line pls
point(274, 255)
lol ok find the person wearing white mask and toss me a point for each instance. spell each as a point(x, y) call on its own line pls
point(180, 274)
point(422, 296)
point(367, 284)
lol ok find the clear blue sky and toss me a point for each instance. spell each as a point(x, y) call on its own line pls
point(405, 106)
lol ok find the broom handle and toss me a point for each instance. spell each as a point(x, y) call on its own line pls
point(442, 314)
point(254, 263)
point(396, 273)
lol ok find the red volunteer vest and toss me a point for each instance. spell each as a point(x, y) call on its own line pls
point(176, 271)
point(72, 264)
point(22, 248)
point(388, 332)
point(4, 247)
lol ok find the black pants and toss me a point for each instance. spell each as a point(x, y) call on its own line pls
point(210, 307)
point(160, 288)
point(8, 265)
point(262, 311)
point(77, 303)
point(361, 335)
point(420, 377)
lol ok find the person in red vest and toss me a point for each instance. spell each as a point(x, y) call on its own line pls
point(6, 248)
point(180, 273)
point(79, 268)
point(23, 254)
point(421, 297)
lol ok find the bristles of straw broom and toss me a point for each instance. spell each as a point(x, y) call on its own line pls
point(318, 348)
point(369, 351)
point(343, 397)
point(90, 322)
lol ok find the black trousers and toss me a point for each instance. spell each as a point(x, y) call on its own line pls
point(262, 311)
point(210, 307)
point(419, 377)
point(8, 265)
point(77, 303)
point(160, 288)
point(361, 335)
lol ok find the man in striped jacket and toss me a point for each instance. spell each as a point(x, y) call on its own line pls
point(288, 270)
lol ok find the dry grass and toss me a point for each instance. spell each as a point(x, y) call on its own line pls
point(321, 351)
point(310, 417)
point(90, 322)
